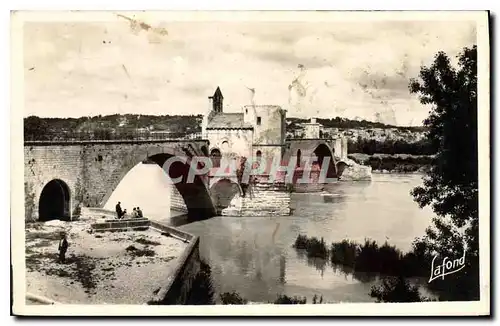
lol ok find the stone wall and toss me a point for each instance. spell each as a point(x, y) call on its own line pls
point(121, 225)
point(231, 142)
point(312, 186)
point(270, 129)
point(93, 170)
point(96, 212)
point(177, 289)
point(261, 200)
point(176, 201)
point(41, 165)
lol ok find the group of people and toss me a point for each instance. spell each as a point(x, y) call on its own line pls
point(64, 244)
point(120, 214)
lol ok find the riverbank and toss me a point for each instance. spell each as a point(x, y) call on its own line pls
point(101, 268)
point(253, 256)
point(397, 163)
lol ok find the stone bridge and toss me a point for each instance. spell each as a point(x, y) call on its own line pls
point(335, 149)
point(59, 177)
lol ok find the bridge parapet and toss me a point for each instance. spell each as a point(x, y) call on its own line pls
point(114, 141)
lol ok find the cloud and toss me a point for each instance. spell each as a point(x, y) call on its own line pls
point(324, 69)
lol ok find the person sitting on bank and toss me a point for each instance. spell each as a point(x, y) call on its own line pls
point(139, 213)
point(63, 247)
point(123, 214)
point(119, 211)
point(134, 213)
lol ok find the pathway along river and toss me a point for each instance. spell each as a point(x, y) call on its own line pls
point(254, 255)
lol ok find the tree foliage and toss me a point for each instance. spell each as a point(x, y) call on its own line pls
point(35, 128)
point(396, 289)
point(450, 186)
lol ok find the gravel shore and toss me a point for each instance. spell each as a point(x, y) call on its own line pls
point(101, 268)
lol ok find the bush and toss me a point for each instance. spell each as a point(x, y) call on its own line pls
point(316, 301)
point(284, 299)
point(417, 261)
point(301, 242)
point(344, 253)
point(390, 260)
point(396, 289)
point(369, 256)
point(313, 246)
point(232, 298)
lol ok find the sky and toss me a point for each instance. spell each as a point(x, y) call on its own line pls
point(133, 64)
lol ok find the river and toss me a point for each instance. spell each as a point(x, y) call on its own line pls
point(254, 255)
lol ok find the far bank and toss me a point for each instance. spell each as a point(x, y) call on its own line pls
point(396, 163)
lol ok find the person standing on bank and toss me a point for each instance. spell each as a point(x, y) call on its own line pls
point(63, 247)
point(119, 212)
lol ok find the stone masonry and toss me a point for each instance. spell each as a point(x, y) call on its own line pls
point(262, 200)
point(92, 171)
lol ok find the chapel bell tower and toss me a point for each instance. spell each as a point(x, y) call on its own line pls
point(217, 100)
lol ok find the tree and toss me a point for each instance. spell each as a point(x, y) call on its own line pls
point(450, 186)
point(35, 128)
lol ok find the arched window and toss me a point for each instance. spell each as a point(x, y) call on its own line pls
point(204, 150)
point(299, 154)
point(215, 156)
point(225, 146)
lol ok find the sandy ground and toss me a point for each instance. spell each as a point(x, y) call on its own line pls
point(110, 267)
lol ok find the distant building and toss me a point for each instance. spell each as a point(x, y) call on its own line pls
point(312, 130)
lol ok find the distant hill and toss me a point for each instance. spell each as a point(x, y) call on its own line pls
point(364, 136)
point(180, 123)
point(36, 128)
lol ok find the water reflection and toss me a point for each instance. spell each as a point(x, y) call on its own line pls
point(254, 255)
point(319, 264)
point(261, 267)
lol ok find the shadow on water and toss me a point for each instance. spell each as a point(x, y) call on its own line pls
point(363, 277)
point(180, 220)
point(184, 219)
point(332, 198)
point(320, 265)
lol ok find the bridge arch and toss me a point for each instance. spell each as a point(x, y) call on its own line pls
point(55, 201)
point(223, 191)
point(215, 156)
point(176, 164)
point(322, 151)
point(341, 165)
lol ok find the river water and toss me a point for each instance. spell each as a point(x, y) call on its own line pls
point(254, 255)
